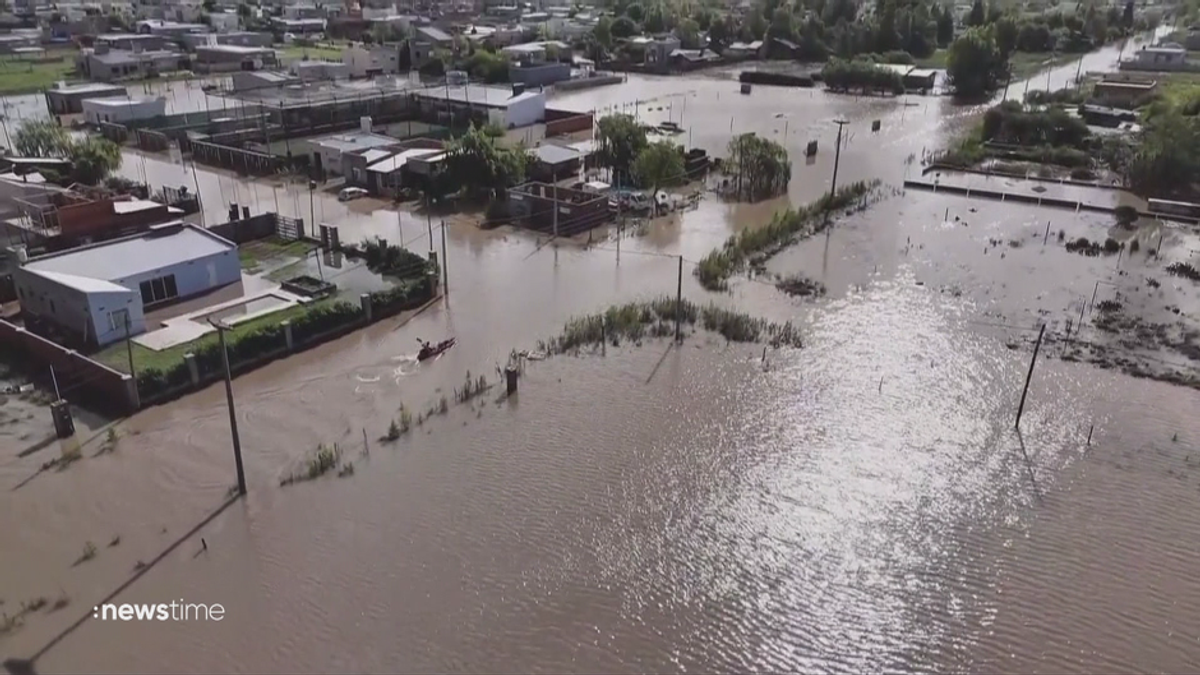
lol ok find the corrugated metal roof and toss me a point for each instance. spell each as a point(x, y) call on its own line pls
point(400, 159)
point(159, 247)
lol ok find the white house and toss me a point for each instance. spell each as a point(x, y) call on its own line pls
point(97, 110)
point(368, 61)
point(1166, 57)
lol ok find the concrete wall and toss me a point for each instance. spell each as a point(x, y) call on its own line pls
point(49, 301)
point(96, 111)
point(78, 376)
point(545, 74)
point(195, 276)
point(525, 112)
point(242, 231)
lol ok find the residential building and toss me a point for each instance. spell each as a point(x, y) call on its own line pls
point(690, 59)
point(301, 10)
point(106, 66)
point(230, 58)
point(99, 294)
point(1123, 92)
point(425, 42)
point(1168, 57)
point(738, 51)
point(386, 177)
point(64, 99)
point(224, 22)
point(368, 60)
point(554, 209)
point(298, 26)
point(653, 51)
point(553, 163)
point(308, 71)
point(11, 42)
point(920, 79)
point(238, 38)
point(97, 110)
point(539, 63)
point(262, 80)
point(507, 108)
point(170, 30)
point(130, 42)
point(1192, 40)
point(327, 151)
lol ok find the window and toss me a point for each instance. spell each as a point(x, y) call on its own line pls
point(117, 320)
point(159, 289)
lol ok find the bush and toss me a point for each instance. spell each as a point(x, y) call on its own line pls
point(404, 296)
point(842, 76)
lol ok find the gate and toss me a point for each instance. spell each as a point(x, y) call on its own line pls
point(289, 229)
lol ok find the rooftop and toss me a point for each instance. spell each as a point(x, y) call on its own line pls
point(533, 47)
point(85, 284)
point(474, 94)
point(86, 88)
point(232, 49)
point(400, 159)
point(121, 102)
point(555, 154)
point(435, 34)
point(116, 259)
point(357, 140)
point(121, 56)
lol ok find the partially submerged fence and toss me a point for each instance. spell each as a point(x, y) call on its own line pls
point(78, 377)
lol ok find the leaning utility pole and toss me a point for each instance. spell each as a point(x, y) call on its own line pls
point(837, 157)
point(1029, 375)
point(679, 303)
point(237, 445)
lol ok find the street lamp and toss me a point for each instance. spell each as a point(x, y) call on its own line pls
point(237, 446)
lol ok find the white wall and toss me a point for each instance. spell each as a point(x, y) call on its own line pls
point(525, 112)
point(85, 314)
point(104, 110)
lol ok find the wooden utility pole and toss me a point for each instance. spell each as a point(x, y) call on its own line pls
point(837, 158)
point(679, 303)
point(237, 445)
point(1029, 376)
point(129, 348)
point(445, 268)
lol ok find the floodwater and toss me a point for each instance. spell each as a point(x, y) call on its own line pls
point(862, 504)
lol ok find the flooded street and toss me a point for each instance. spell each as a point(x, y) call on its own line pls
point(862, 504)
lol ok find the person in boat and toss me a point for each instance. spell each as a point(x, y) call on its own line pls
point(426, 348)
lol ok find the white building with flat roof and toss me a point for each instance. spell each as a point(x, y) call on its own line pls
point(92, 293)
point(120, 110)
point(505, 107)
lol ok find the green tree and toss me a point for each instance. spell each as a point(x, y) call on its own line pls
point(945, 27)
point(1127, 15)
point(476, 162)
point(623, 27)
point(488, 66)
point(658, 165)
point(1006, 32)
point(688, 32)
point(42, 138)
point(621, 140)
point(603, 32)
point(1168, 160)
point(781, 25)
point(978, 14)
point(755, 27)
point(719, 32)
point(93, 159)
point(759, 167)
point(656, 20)
point(636, 12)
point(974, 64)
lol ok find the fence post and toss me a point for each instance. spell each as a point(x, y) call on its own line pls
point(287, 333)
point(365, 300)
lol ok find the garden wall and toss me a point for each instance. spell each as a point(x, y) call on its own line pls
point(79, 378)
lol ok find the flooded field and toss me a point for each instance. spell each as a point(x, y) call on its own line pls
point(861, 504)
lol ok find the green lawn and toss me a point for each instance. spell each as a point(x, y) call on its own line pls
point(253, 254)
point(22, 76)
point(117, 356)
point(936, 60)
point(320, 52)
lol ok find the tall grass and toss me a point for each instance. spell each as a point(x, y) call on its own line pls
point(656, 318)
point(753, 247)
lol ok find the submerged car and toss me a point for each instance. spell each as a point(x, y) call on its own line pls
point(350, 193)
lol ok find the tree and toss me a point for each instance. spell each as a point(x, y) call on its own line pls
point(886, 37)
point(755, 27)
point(759, 166)
point(1006, 36)
point(477, 163)
point(243, 10)
point(93, 159)
point(603, 32)
point(719, 32)
point(42, 138)
point(623, 28)
point(978, 15)
point(1168, 159)
point(974, 64)
point(621, 140)
point(688, 32)
point(636, 12)
point(659, 164)
point(781, 25)
point(487, 66)
point(656, 21)
point(945, 27)
point(1127, 15)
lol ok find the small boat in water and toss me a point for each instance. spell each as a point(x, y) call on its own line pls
point(428, 351)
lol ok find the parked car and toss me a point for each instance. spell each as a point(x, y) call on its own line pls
point(350, 193)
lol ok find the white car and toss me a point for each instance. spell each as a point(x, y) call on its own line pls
point(351, 193)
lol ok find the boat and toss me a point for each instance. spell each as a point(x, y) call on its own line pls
point(428, 351)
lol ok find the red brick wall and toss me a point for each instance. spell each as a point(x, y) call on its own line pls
point(78, 376)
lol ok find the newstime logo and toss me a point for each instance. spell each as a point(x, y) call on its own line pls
point(172, 611)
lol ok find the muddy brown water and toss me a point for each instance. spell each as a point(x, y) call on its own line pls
point(862, 504)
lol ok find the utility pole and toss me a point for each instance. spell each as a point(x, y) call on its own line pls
point(312, 218)
point(554, 201)
point(679, 303)
point(237, 445)
point(1029, 375)
point(129, 348)
point(1078, 71)
point(837, 157)
point(445, 268)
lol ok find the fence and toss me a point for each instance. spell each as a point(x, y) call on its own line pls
point(246, 161)
point(567, 125)
point(78, 376)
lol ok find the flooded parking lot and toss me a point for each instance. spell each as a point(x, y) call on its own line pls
point(861, 504)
